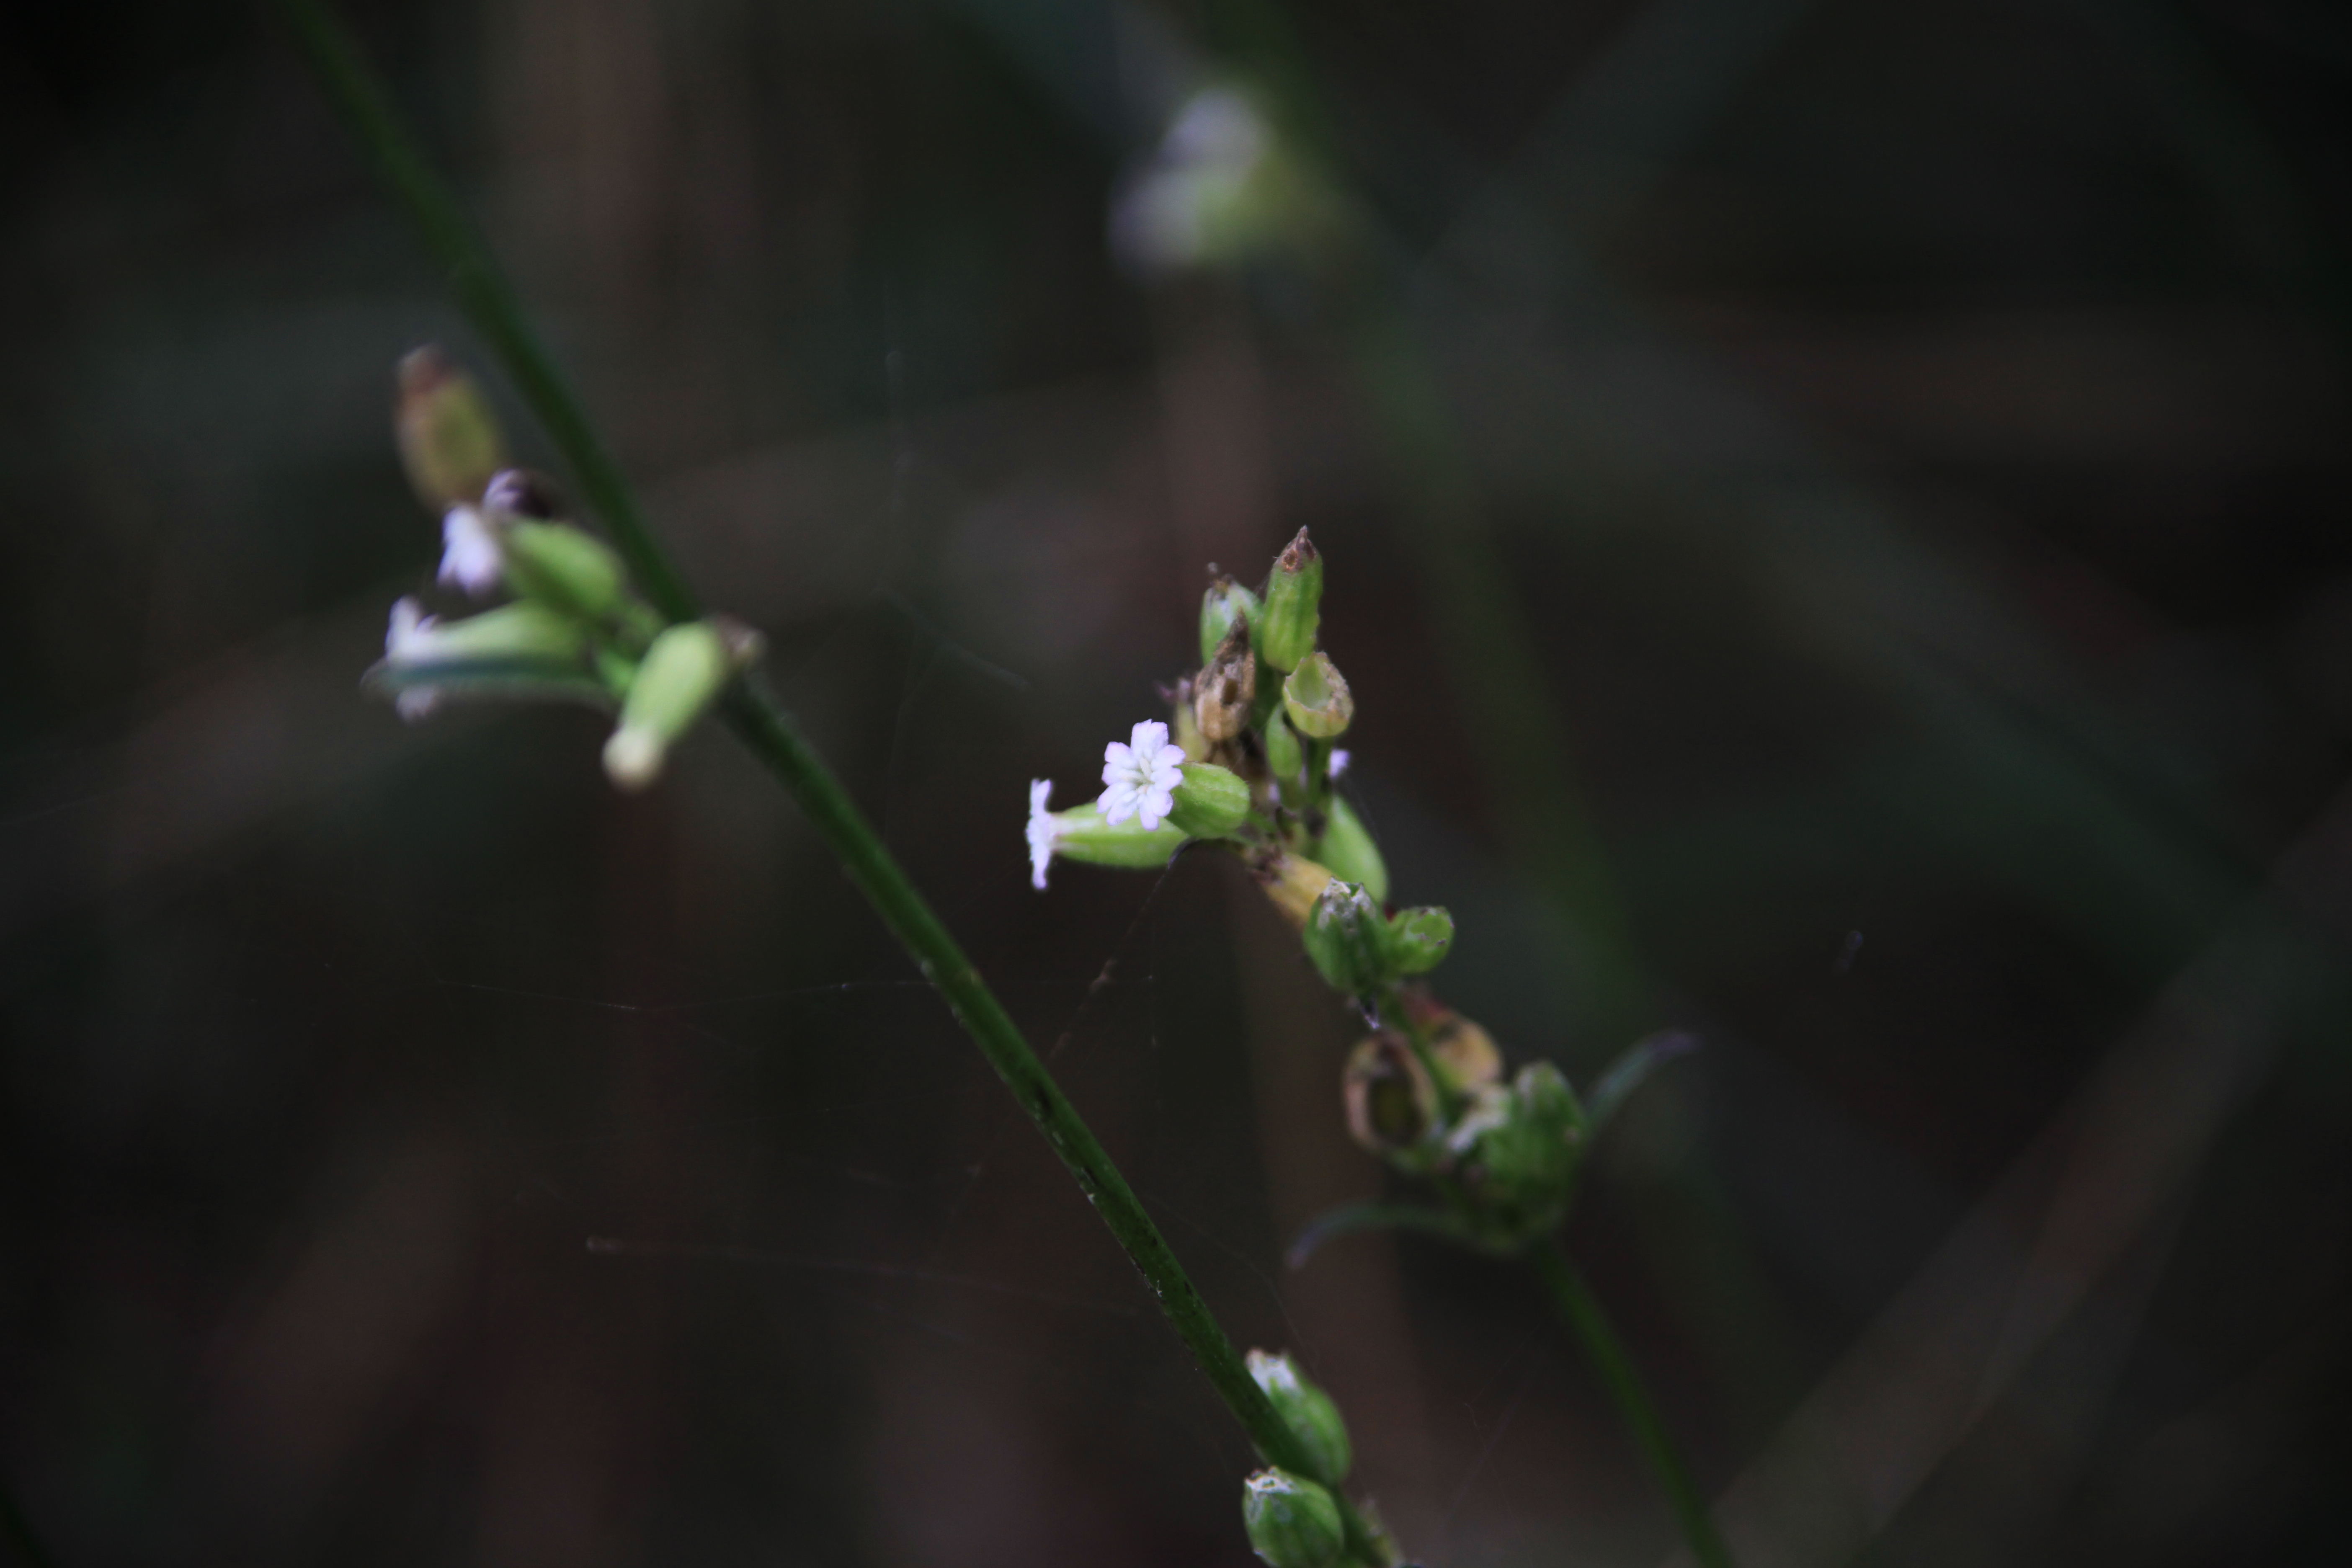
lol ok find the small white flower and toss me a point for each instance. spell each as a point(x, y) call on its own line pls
point(1043, 832)
point(1139, 778)
point(470, 551)
point(409, 640)
point(1339, 760)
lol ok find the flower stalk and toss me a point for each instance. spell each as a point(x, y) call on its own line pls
point(775, 739)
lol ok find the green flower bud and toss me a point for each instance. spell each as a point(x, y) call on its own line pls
point(1210, 802)
point(564, 567)
point(1515, 1151)
point(449, 440)
point(1225, 603)
point(1419, 938)
point(1293, 596)
point(1309, 1413)
point(1293, 1522)
point(681, 675)
point(1317, 698)
point(1286, 759)
point(1348, 938)
point(1347, 847)
point(514, 651)
point(1225, 689)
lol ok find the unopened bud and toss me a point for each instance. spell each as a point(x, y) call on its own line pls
point(681, 675)
point(1317, 698)
point(1419, 938)
point(518, 651)
point(564, 567)
point(1347, 847)
point(1294, 597)
point(1516, 1153)
point(1225, 603)
point(1285, 758)
point(1348, 938)
point(1293, 1522)
point(449, 440)
point(1210, 802)
point(1224, 691)
point(1292, 882)
point(1309, 1413)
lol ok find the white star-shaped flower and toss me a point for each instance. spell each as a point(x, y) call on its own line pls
point(470, 551)
point(1043, 831)
point(409, 640)
point(1139, 778)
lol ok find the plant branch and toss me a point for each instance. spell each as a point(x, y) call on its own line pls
point(771, 734)
point(1582, 1311)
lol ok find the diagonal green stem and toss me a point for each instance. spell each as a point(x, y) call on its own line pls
point(1583, 1309)
point(768, 731)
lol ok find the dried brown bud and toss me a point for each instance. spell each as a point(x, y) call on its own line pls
point(1224, 692)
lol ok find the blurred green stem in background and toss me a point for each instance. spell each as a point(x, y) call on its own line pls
point(763, 725)
point(1582, 1310)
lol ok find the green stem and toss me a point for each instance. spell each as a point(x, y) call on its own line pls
point(1583, 1309)
point(491, 304)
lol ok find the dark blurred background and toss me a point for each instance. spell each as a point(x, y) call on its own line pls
point(1836, 520)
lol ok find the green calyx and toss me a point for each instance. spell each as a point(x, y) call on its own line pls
point(1293, 1522)
point(1347, 848)
point(1317, 698)
point(1419, 939)
point(1310, 1414)
point(1294, 597)
point(1210, 802)
point(564, 567)
point(1080, 833)
point(1348, 938)
point(681, 675)
point(449, 440)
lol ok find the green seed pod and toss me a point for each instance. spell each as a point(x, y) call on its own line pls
point(1307, 1411)
point(1210, 802)
point(449, 440)
point(1293, 1522)
point(1419, 938)
point(1348, 938)
point(563, 567)
point(1225, 603)
point(681, 674)
point(1285, 758)
point(1293, 596)
point(1515, 1151)
point(1347, 847)
point(1317, 698)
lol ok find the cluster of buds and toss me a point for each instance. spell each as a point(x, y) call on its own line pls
point(1293, 1517)
point(571, 630)
point(1246, 760)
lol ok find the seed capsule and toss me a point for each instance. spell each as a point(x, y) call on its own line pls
point(1293, 1522)
point(1294, 597)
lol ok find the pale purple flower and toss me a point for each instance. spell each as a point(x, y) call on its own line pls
point(1339, 760)
point(470, 551)
point(1139, 778)
point(1043, 831)
point(409, 640)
